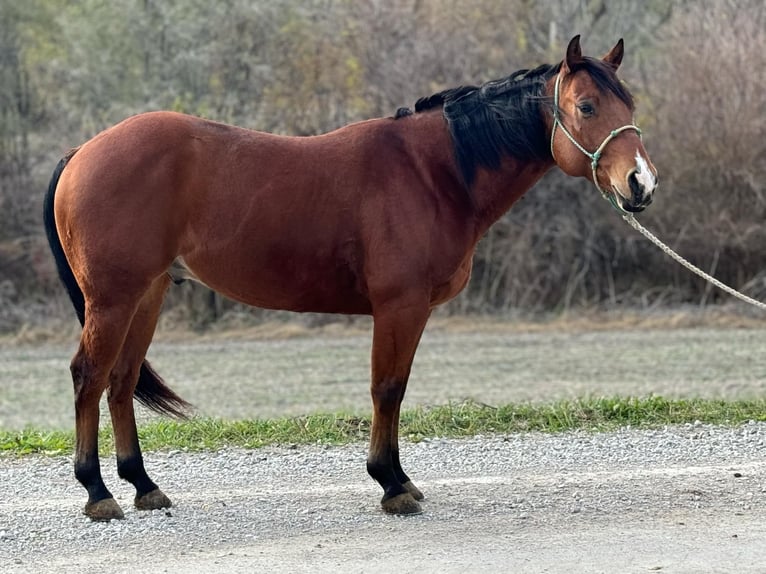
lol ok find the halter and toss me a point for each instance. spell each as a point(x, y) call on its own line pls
point(596, 155)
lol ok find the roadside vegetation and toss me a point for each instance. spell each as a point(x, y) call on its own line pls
point(447, 421)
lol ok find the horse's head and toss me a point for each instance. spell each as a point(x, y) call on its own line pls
point(592, 134)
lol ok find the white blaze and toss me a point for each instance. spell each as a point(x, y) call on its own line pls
point(644, 175)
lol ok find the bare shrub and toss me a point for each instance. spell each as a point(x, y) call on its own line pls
point(697, 67)
point(708, 140)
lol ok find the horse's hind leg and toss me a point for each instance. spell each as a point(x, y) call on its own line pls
point(102, 337)
point(396, 335)
point(398, 470)
point(122, 383)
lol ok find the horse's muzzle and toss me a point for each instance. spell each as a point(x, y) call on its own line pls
point(641, 192)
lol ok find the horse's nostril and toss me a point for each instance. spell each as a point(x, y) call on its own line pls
point(635, 187)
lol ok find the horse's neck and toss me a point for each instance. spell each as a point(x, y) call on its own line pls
point(495, 191)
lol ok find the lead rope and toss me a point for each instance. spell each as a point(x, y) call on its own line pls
point(628, 217)
point(633, 222)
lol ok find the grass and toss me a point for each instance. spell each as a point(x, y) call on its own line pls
point(452, 420)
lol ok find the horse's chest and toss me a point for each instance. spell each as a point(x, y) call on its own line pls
point(443, 292)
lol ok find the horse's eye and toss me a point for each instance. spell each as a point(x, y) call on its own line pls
point(586, 109)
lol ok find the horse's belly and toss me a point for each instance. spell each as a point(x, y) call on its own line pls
point(310, 290)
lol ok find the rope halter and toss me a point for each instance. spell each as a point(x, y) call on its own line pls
point(596, 155)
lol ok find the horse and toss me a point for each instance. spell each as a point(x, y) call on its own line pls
point(380, 217)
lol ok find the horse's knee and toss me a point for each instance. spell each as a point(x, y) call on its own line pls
point(121, 372)
point(122, 381)
point(387, 391)
point(77, 369)
point(82, 378)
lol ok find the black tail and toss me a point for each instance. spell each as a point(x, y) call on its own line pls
point(150, 391)
point(49, 217)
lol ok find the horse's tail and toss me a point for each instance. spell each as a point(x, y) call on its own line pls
point(150, 391)
point(62, 265)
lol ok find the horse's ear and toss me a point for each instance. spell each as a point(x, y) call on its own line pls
point(614, 57)
point(574, 55)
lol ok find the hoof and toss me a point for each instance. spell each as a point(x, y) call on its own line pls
point(401, 504)
point(153, 500)
point(413, 490)
point(103, 510)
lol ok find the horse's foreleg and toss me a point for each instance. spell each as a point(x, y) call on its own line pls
point(102, 338)
point(396, 335)
point(122, 383)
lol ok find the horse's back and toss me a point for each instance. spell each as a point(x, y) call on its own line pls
point(262, 218)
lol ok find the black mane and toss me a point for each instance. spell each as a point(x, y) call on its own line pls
point(504, 117)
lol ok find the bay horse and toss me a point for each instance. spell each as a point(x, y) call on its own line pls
point(379, 217)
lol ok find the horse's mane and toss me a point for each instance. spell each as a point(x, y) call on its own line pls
point(504, 117)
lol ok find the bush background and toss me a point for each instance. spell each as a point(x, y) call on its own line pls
point(69, 69)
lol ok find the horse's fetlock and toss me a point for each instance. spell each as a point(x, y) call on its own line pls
point(129, 468)
point(87, 471)
point(385, 476)
point(377, 470)
point(132, 469)
point(401, 476)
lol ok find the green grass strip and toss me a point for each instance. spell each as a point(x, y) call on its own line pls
point(452, 420)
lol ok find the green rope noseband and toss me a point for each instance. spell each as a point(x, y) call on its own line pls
point(596, 155)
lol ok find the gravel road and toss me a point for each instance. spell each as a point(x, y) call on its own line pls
point(680, 499)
